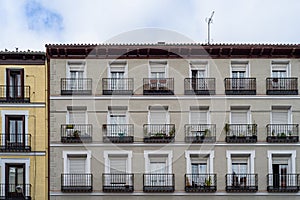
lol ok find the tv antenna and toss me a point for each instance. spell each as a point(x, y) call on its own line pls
point(209, 21)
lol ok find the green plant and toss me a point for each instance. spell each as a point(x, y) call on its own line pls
point(76, 133)
point(207, 132)
point(208, 181)
point(282, 134)
point(226, 127)
point(273, 132)
point(172, 132)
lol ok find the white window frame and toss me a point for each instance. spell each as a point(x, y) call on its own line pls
point(240, 62)
point(168, 154)
point(115, 62)
point(26, 161)
point(108, 119)
point(69, 68)
point(202, 65)
point(288, 108)
point(127, 154)
point(291, 161)
point(281, 62)
point(250, 163)
point(74, 153)
point(159, 61)
point(83, 111)
point(235, 109)
point(211, 156)
point(167, 115)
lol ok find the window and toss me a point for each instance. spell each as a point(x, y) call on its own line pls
point(239, 115)
point(158, 115)
point(77, 115)
point(77, 162)
point(198, 115)
point(279, 69)
point(198, 70)
point(158, 69)
point(117, 117)
point(239, 71)
point(76, 73)
point(117, 72)
point(280, 115)
point(15, 131)
point(15, 83)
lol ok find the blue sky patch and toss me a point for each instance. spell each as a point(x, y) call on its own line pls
point(40, 18)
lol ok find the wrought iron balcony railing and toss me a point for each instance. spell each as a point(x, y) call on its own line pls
point(282, 86)
point(76, 86)
point(283, 182)
point(76, 133)
point(159, 86)
point(76, 182)
point(15, 142)
point(241, 182)
point(159, 133)
point(159, 182)
point(200, 86)
point(14, 94)
point(199, 133)
point(118, 182)
point(240, 86)
point(282, 133)
point(118, 133)
point(117, 86)
point(200, 182)
point(15, 192)
point(241, 133)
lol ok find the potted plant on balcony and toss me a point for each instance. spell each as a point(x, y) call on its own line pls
point(76, 133)
point(208, 182)
point(226, 127)
point(172, 132)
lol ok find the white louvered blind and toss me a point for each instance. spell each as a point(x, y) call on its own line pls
point(280, 117)
point(77, 117)
point(239, 117)
point(77, 165)
point(198, 117)
point(158, 117)
point(117, 165)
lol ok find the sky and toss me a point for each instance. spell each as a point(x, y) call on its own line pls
point(30, 24)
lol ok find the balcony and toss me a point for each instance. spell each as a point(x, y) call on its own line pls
point(159, 133)
point(200, 182)
point(76, 133)
point(76, 86)
point(15, 142)
point(76, 182)
point(118, 133)
point(117, 86)
point(241, 133)
point(241, 182)
point(159, 86)
point(158, 183)
point(118, 182)
point(14, 94)
point(199, 133)
point(15, 192)
point(283, 182)
point(199, 86)
point(282, 86)
point(282, 133)
point(240, 86)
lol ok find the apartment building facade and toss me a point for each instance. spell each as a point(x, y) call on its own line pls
point(23, 122)
point(174, 121)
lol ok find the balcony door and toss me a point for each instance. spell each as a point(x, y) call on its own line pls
point(158, 169)
point(198, 81)
point(118, 121)
point(15, 131)
point(239, 172)
point(280, 175)
point(15, 83)
point(15, 180)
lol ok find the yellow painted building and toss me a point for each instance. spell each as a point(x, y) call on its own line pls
point(23, 124)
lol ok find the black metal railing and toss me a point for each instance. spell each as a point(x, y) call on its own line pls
point(282, 133)
point(198, 133)
point(14, 94)
point(76, 133)
point(283, 182)
point(240, 86)
point(76, 86)
point(161, 86)
point(159, 133)
point(158, 183)
point(117, 86)
point(200, 182)
point(15, 142)
point(241, 133)
point(76, 182)
point(118, 133)
point(15, 192)
point(118, 182)
point(282, 86)
point(241, 182)
point(200, 86)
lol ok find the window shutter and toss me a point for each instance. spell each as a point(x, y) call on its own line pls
point(158, 117)
point(239, 118)
point(280, 117)
point(198, 118)
point(158, 167)
point(77, 165)
point(117, 165)
point(77, 117)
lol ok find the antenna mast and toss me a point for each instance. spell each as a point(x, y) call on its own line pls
point(209, 21)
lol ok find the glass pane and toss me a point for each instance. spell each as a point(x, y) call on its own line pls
point(20, 175)
point(12, 175)
point(158, 167)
